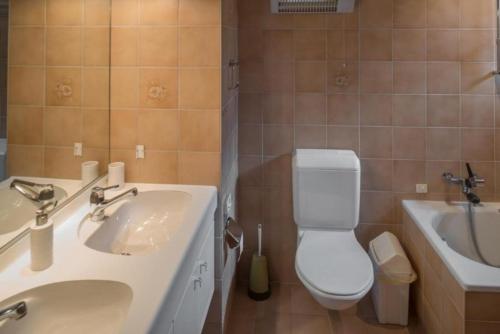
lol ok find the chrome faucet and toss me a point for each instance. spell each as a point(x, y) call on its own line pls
point(97, 198)
point(33, 191)
point(467, 184)
point(14, 312)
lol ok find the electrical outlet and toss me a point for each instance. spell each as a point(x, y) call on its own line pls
point(421, 188)
point(139, 152)
point(78, 149)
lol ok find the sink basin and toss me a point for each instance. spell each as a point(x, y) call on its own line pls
point(16, 210)
point(140, 225)
point(76, 307)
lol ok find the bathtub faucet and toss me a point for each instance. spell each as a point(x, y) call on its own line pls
point(467, 184)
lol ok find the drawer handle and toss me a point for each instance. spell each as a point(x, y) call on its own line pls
point(198, 281)
point(203, 267)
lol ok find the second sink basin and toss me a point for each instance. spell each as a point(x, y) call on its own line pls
point(76, 307)
point(140, 225)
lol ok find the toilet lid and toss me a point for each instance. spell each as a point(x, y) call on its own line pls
point(334, 262)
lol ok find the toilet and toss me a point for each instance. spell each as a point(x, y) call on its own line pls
point(329, 261)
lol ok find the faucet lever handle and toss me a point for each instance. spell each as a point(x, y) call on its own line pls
point(97, 193)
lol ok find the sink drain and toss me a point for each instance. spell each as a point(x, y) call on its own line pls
point(125, 254)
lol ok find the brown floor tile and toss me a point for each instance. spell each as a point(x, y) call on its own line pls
point(304, 303)
point(310, 324)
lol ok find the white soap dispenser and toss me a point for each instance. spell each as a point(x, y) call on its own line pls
point(42, 238)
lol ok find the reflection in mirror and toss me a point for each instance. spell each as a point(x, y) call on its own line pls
point(54, 104)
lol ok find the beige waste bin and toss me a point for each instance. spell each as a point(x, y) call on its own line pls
point(393, 276)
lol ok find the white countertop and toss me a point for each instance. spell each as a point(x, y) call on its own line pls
point(149, 276)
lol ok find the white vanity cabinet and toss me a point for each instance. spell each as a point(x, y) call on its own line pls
point(193, 307)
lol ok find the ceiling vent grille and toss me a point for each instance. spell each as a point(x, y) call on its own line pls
point(311, 6)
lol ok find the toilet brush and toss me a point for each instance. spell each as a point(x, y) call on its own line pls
point(258, 288)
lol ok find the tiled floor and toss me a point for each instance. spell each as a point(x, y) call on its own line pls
point(291, 310)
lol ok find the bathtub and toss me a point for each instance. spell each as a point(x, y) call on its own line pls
point(446, 228)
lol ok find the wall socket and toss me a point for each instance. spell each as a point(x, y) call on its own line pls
point(421, 188)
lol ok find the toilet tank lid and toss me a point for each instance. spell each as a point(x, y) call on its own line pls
point(326, 159)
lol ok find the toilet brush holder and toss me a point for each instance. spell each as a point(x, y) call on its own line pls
point(258, 287)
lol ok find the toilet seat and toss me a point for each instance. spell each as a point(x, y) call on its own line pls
point(334, 263)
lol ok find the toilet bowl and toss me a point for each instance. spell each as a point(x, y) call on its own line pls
point(334, 267)
point(329, 260)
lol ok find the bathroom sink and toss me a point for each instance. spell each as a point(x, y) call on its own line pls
point(16, 210)
point(139, 226)
point(76, 307)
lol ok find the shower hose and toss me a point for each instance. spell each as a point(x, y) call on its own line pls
point(474, 236)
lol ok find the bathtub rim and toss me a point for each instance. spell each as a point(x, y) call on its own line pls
point(471, 275)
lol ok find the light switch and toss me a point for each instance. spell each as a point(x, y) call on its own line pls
point(139, 152)
point(421, 188)
point(78, 149)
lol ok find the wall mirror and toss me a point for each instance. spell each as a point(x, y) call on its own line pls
point(54, 104)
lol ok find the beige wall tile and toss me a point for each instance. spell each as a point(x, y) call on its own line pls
point(310, 109)
point(26, 85)
point(376, 44)
point(376, 142)
point(199, 168)
point(409, 143)
point(64, 12)
point(19, 154)
point(376, 109)
point(443, 45)
point(27, 12)
point(410, 14)
point(61, 163)
point(26, 46)
point(200, 130)
point(476, 78)
point(125, 12)
point(199, 46)
point(199, 88)
point(443, 78)
point(479, 14)
point(24, 126)
point(343, 109)
point(443, 110)
point(477, 45)
point(310, 77)
point(309, 44)
point(159, 11)
point(377, 77)
point(376, 14)
point(64, 46)
point(442, 144)
point(199, 12)
point(62, 127)
point(409, 44)
point(409, 78)
point(443, 14)
point(158, 46)
point(160, 167)
point(409, 110)
point(97, 12)
point(158, 129)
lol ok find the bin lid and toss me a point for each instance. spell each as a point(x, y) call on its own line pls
point(391, 259)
